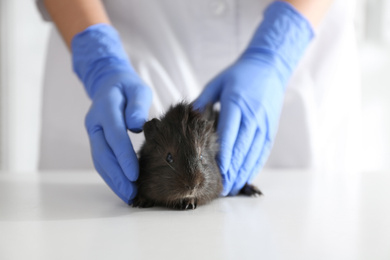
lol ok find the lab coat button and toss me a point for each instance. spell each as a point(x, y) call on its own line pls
point(218, 7)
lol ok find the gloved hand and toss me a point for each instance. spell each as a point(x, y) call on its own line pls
point(120, 101)
point(251, 93)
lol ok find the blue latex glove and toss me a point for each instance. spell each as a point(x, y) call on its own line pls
point(120, 101)
point(251, 93)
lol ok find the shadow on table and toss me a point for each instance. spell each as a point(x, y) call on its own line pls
point(54, 198)
point(59, 201)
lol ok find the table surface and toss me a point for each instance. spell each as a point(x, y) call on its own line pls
point(303, 215)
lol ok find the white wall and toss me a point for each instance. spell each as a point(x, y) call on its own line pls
point(23, 44)
point(374, 49)
point(375, 61)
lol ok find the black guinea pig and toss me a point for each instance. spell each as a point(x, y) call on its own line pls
point(178, 167)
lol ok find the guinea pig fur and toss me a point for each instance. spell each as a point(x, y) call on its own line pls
point(177, 162)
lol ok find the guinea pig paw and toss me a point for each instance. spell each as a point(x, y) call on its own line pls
point(142, 203)
point(188, 204)
point(250, 190)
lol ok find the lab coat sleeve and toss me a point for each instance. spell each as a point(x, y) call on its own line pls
point(42, 9)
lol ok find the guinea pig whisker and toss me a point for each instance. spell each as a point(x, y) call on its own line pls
point(171, 167)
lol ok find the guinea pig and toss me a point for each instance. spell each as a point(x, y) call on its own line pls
point(178, 167)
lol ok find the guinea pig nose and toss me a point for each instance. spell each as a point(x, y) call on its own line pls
point(188, 187)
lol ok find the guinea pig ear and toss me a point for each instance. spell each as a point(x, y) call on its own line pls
point(151, 128)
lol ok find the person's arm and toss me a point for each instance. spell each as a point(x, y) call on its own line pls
point(120, 99)
point(74, 16)
point(313, 10)
point(251, 90)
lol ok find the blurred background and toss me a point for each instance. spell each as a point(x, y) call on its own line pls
point(23, 41)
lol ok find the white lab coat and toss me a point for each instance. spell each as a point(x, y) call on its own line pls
point(177, 46)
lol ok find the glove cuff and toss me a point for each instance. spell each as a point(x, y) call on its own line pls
point(96, 52)
point(281, 38)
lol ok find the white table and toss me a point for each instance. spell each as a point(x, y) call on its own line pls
point(303, 215)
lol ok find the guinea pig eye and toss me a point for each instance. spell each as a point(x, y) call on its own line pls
point(169, 158)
